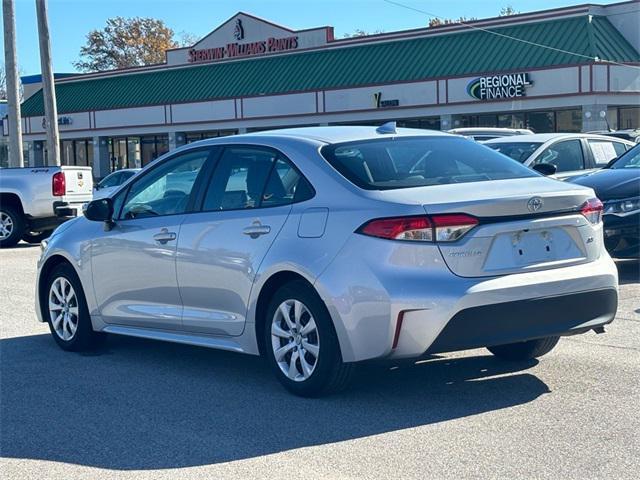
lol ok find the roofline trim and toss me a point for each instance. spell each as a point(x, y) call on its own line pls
point(517, 19)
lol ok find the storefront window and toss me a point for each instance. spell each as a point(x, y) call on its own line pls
point(511, 120)
point(67, 152)
point(84, 152)
point(195, 136)
point(541, 122)
point(153, 146)
point(629, 117)
point(569, 120)
point(428, 123)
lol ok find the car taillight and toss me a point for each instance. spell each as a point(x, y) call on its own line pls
point(435, 228)
point(449, 228)
point(59, 184)
point(592, 210)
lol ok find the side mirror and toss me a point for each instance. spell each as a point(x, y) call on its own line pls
point(545, 168)
point(100, 210)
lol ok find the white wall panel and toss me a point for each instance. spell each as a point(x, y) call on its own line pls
point(295, 104)
point(624, 79)
point(204, 111)
point(423, 93)
point(130, 116)
point(599, 78)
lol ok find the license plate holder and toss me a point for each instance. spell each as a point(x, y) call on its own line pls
point(529, 247)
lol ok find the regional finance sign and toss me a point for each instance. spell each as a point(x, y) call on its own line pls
point(495, 87)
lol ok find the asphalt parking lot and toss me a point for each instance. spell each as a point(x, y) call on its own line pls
point(139, 409)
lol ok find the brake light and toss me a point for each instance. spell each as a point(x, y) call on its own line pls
point(435, 228)
point(59, 184)
point(592, 210)
point(449, 228)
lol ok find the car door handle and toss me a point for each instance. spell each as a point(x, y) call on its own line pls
point(164, 236)
point(254, 231)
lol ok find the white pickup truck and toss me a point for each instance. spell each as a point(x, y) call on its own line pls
point(34, 201)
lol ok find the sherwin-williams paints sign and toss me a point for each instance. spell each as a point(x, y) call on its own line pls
point(496, 87)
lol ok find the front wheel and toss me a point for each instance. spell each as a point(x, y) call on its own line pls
point(301, 344)
point(65, 309)
point(525, 350)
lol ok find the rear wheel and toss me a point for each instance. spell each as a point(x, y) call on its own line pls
point(36, 237)
point(11, 226)
point(525, 350)
point(65, 309)
point(301, 344)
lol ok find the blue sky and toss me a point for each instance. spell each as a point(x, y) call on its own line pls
point(71, 20)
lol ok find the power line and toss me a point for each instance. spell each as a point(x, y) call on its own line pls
point(515, 39)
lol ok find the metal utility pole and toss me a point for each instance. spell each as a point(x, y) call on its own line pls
point(48, 87)
point(16, 157)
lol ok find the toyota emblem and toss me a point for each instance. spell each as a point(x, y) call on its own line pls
point(534, 204)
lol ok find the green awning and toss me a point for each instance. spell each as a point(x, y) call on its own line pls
point(433, 56)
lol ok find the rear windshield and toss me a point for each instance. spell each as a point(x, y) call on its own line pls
point(519, 151)
point(391, 163)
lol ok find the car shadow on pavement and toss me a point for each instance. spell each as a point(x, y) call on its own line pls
point(139, 404)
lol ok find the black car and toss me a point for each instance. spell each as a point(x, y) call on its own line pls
point(618, 186)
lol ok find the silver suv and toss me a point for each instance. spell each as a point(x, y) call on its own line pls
point(322, 247)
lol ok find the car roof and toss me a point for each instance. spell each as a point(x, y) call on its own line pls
point(508, 131)
point(329, 135)
point(545, 137)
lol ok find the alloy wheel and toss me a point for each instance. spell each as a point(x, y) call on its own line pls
point(6, 226)
point(295, 340)
point(63, 308)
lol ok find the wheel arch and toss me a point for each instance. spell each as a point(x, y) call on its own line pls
point(12, 199)
point(47, 267)
point(268, 289)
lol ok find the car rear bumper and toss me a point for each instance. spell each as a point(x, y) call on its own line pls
point(392, 300)
point(523, 320)
point(66, 210)
point(622, 236)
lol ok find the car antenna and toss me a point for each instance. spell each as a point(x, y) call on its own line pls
point(389, 127)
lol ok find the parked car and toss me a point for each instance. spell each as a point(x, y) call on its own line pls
point(564, 155)
point(618, 186)
point(34, 201)
point(631, 134)
point(319, 248)
point(482, 134)
point(111, 182)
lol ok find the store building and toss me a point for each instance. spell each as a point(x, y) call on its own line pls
point(250, 74)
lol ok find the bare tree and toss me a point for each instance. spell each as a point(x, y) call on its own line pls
point(507, 11)
point(128, 42)
point(361, 33)
point(3, 83)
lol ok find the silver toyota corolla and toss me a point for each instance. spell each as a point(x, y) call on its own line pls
point(322, 247)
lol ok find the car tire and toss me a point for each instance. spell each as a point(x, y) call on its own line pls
point(66, 311)
point(310, 338)
point(525, 350)
point(36, 237)
point(12, 226)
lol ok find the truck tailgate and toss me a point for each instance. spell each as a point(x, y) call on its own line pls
point(79, 184)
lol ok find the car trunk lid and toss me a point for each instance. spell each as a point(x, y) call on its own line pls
point(524, 225)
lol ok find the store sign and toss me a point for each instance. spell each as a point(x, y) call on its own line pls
point(494, 87)
point(61, 121)
point(247, 49)
point(379, 103)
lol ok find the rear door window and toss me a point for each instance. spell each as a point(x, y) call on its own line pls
point(404, 162)
point(253, 177)
point(566, 155)
point(520, 151)
point(604, 151)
